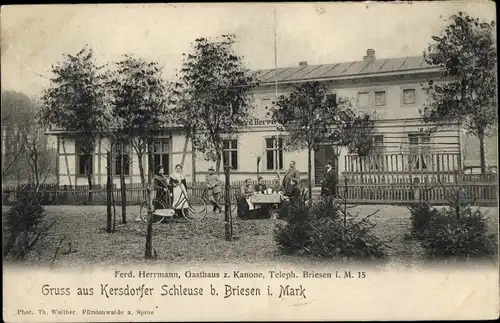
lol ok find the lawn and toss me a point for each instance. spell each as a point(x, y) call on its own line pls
point(83, 227)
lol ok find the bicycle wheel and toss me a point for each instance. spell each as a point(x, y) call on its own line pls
point(233, 200)
point(194, 209)
point(144, 211)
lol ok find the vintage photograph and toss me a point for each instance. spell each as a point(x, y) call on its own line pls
point(250, 133)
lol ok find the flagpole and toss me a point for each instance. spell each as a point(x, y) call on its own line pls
point(275, 55)
point(276, 87)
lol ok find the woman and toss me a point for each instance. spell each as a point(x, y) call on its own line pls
point(161, 185)
point(260, 186)
point(245, 204)
point(178, 184)
point(293, 192)
point(277, 187)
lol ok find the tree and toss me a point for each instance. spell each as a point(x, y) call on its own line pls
point(17, 110)
point(311, 115)
point(141, 100)
point(36, 151)
point(76, 102)
point(466, 51)
point(214, 85)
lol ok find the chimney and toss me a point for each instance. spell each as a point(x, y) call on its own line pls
point(303, 64)
point(370, 55)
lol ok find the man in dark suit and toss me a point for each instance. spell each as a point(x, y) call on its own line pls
point(329, 183)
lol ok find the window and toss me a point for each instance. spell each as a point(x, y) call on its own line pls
point(161, 153)
point(380, 98)
point(363, 99)
point(82, 158)
point(230, 153)
point(419, 150)
point(121, 152)
point(274, 153)
point(409, 96)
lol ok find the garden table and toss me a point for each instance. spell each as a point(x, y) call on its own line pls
point(266, 201)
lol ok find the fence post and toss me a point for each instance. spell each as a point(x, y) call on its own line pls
point(228, 221)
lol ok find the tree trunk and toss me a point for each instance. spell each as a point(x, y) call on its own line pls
point(88, 166)
point(482, 155)
point(309, 167)
point(123, 191)
point(109, 216)
point(140, 156)
point(184, 151)
point(35, 168)
point(149, 231)
point(258, 167)
point(228, 229)
point(193, 162)
point(66, 161)
point(217, 165)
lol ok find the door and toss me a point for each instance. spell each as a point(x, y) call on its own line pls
point(322, 155)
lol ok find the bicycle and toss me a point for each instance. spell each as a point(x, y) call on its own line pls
point(196, 208)
point(221, 199)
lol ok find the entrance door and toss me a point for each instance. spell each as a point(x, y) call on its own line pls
point(322, 155)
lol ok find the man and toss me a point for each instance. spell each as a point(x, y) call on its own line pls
point(329, 182)
point(214, 189)
point(292, 172)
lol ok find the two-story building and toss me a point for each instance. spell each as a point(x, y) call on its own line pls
point(392, 88)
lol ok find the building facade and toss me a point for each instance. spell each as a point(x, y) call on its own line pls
point(393, 89)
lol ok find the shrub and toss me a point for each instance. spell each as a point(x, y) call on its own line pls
point(463, 237)
point(292, 235)
point(420, 216)
point(327, 229)
point(455, 231)
point(25, 226)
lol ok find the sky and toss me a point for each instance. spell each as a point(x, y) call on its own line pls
point(34, 37)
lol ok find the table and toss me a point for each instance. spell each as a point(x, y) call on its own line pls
point(273, 198)
point(266, 201)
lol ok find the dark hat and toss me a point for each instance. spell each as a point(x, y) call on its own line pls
point(211, 168)
point(159, 167)
point(260, 177)
point(329, 162)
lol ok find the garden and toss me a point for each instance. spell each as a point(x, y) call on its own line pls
point(324, 231)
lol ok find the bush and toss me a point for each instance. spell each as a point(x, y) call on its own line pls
point(456, 231)
point(327, 229)
point(465, 237)
point(421, 215)
point(25, 226)
point(293, 235)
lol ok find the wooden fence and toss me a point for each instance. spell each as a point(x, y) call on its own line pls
point(53, 194)
point(409, 178)
point(401, 168)
point(485, 194)
point(481, 191)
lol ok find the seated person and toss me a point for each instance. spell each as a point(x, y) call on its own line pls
point(260, 186)
point(277, 187)
point(244, 204)
point(293, 191)
point(292, 195)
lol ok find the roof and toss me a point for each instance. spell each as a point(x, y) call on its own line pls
point(352, 69)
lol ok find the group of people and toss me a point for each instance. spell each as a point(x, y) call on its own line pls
point(172, 188)
point(289, 187)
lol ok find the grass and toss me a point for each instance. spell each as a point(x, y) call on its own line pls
point(87, 242)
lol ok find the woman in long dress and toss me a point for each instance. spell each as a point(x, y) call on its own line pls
point(178, 185)
point(246, 205)
point(161, 186)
